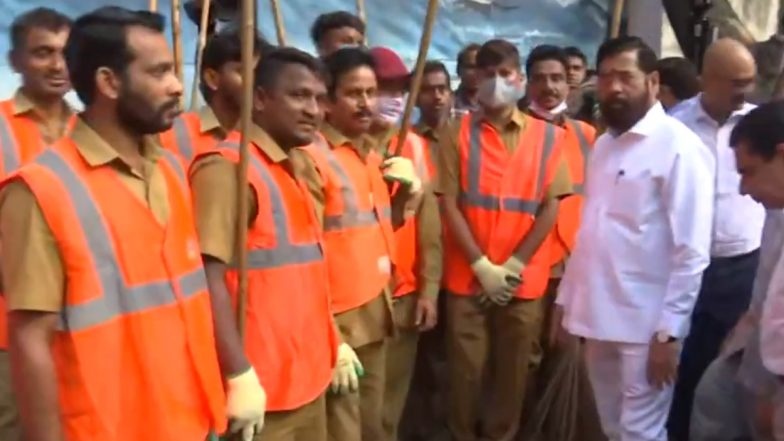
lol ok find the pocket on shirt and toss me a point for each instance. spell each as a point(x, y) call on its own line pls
point(629, 198)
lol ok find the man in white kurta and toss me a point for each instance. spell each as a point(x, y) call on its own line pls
point(644, 241)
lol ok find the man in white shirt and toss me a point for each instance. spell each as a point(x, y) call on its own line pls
point(728, 74)
point(643, 244)
point(759, 151)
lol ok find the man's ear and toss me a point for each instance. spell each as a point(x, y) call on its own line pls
point(13, 60)
point(107, 83)
point(210, 78)
point(260, 98)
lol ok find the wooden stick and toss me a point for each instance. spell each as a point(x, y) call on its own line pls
point(362, 16)
point(177, 41)
point(280, 28)
point(615, 26)
point(153, 6)
point(424, 46)
point(203, 25)
point(248, 36)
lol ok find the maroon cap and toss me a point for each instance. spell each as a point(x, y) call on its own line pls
point(389, 65)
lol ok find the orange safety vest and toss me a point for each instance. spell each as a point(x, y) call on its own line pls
point(358, 237)
point(185, 137)
point(405, 278)
point(578, 142)
point(134, 350)
point(290, 337)
point(500, 193)
point(20, 142)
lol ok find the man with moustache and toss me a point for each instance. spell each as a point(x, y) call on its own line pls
point(35, 117)
point(728, 73)
point(111, 321)
point(642, 246)
point(221, 88)
point(290, 335)
point(347, 181)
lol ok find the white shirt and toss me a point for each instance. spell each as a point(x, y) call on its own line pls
point(772, 322)
point(644, 240)
point(738, 219)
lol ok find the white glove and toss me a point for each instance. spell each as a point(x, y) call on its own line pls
point(245, 404)
point(402, 170)
point(498, 282)
point(345, 377)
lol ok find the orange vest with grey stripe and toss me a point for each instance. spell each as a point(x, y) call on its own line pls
point(405, 276)
point(134, 351)
point(290, 338)
point(358, 237)
point(185, 137)
point(500, 194)
point(578, 142)
point(20, 142)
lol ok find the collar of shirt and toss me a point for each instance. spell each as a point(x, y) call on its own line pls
point(261, 139)
point(695, 105)
point(24, 105)
point(647, 125)
point(361, 145)
point(97, 151)
point(208, 122)
point(517, 121)
point(462, 104)
point(428, 132)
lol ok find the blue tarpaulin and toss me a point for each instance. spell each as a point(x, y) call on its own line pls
point(393, 23)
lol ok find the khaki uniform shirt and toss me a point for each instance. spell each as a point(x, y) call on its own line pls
point(428, 222)
point(32, 267)
point(209, 124)
point(51, 131)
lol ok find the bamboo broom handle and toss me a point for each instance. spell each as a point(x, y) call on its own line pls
point(615, 26)
point(203, 25)
point(177, 40)
point(280, 28)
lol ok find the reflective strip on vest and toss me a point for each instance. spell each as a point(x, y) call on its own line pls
point(472, 195)
point(175, 163)
point(117, 298)
point(9, 147)
point(183, 138)
point(585, 149)
point(285, 253)
point(352, 216)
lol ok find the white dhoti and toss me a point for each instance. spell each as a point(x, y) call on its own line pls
point(629, 407)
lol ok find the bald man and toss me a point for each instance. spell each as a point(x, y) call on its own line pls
point(727, 79)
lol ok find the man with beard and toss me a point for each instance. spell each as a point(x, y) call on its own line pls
point(111, 326)
point(466, 93)
point(290, 335)
point(335, 30)
point(221, 88)
point(642, 246)
point(352, 200)
point(36, 116)
point(728, 73)
point(501, 176)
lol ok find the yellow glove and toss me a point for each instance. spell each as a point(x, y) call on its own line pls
point(245, 404)
point(402, 170)
point(345, 377)
point(498, 283)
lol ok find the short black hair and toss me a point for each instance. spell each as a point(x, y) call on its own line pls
point(646, 57)
point(343, 61)
point(99, 39)
point(680, 75)
point(433, 66)
point(762, 129)
point(463, 55)
point(334, 20)
point(546, 52)
point(575, 52)
point(226, 47)
point(44, 18)
point(495, 52)
point(272, 64)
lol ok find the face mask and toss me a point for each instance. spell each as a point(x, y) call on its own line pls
point(548, 114)
point(500, 92)
point(390, 108)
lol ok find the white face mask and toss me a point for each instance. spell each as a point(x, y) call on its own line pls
point(390, 108)
point(548, 114)
point(500, 92)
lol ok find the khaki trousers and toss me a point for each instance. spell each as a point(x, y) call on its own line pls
point(401, 356)
point(358, 416)
point(9, 429)
point(496, 342)
point(307, 423)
